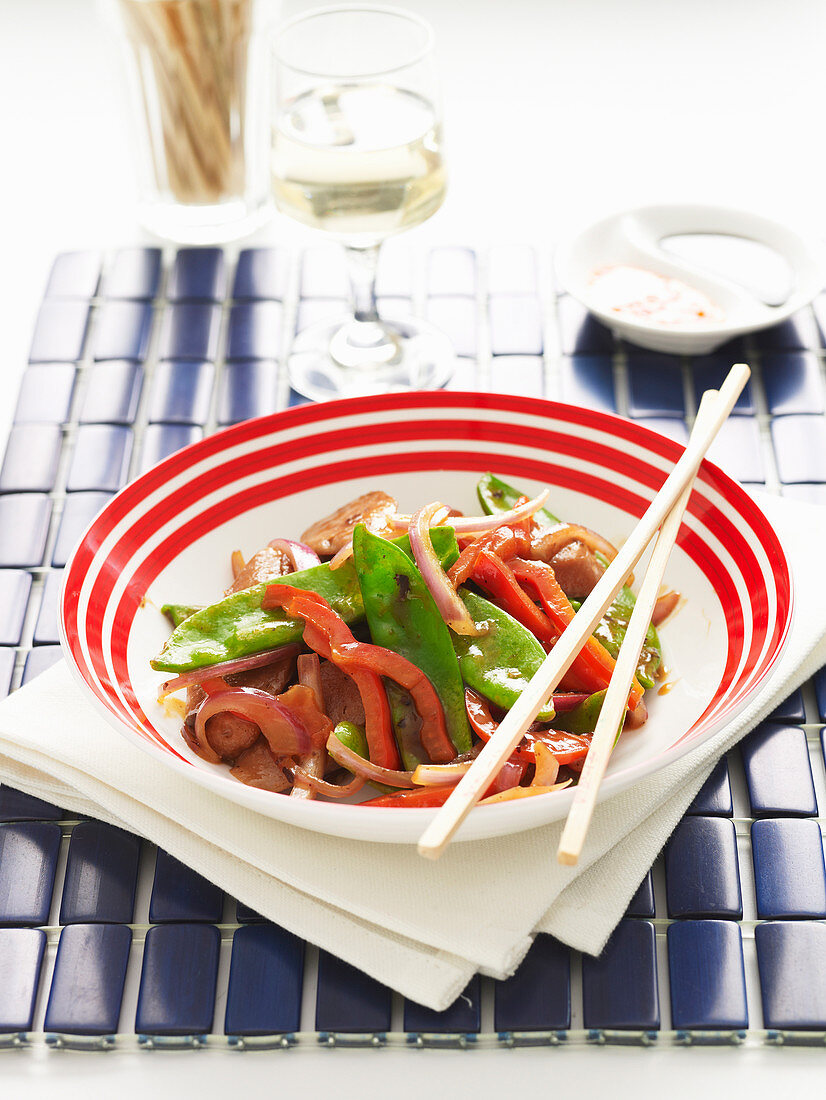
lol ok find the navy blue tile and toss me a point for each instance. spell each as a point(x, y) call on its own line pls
point(820, 692)
point(113, 390)
point(800, 447)
point(323, 273)
point(797, 333)
point(28, 861)
point(247, 389)
point(177, 990)
point(515, 325)
point(261, 273)
point(707, 976)
point(619, 989)
point(588, 381)
point(792, 383)
point(180, 894)
point(133, 273)
point(708, 373)
point(789, 875)
point(255, 331)
point(348, 1000)
point(24, 527)
point(197, 275)
point(714, 797)
point(792, 709)
point(520, 374)
point(579, 332)
point(190, 331)
point(89, 976)
point(6, 672)
point(16, 806)
point(32, 455)
point(451, 270)
point(738, 451)
point(642, 903)
point(21, 957)
point(245, 915)
point(101, 875)
point(778, 772)
point(45, 393)
point(512, 270)
point(59, 332)
point(46, 627)
point(463, 1017)
point(791, 958)
point(702, 870)
point(100, 462)
point(162, 440)
point(456, 318)
point(655, 385)
point(538, 996)
point(39, 659)
point(74, 275)
point(121, 330)
point(15, 585)
point(181, 392)
point(265, 982)
point(79, 509)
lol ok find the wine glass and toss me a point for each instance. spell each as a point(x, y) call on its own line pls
point(357, 154)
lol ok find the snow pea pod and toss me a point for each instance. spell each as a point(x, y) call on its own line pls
point(496, 495)
point(238, 626)
point(499, 663)
point(177, 612)
point(403, 617)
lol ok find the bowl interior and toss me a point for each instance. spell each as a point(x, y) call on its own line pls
point(167, 538)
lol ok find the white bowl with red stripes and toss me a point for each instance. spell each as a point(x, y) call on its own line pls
point(168, 536)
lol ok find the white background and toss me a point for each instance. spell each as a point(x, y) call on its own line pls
point(557, 112)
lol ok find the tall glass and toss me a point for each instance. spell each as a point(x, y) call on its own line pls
point(357, 154)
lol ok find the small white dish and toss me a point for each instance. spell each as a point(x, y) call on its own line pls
point(634, 239)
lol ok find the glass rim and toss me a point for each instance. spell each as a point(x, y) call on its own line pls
point(336, 9)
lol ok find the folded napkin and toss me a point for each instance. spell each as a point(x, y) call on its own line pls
point(422, 928)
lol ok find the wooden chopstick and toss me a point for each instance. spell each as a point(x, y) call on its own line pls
point(511, 729)
point(616, 697)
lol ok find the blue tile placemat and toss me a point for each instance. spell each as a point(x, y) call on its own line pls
point(106, 941)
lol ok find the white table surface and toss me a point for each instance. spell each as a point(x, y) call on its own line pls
point(557, 112)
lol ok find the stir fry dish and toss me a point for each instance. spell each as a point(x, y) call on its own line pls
point(383, 649)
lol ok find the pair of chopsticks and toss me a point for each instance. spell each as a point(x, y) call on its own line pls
point(664, 514)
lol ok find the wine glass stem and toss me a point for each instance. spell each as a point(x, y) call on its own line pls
point(364, 343)
point(361, 268)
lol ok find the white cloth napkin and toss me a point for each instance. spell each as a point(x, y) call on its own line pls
point(420, 927)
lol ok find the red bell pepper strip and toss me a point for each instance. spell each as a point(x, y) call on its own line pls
point(593, 665)
point(505, 542)
point(421, 797)
point(497, 579)
point(566, 747)
point(330, 637)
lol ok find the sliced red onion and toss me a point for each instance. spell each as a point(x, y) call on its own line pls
point(522, 792)
point(312, 766)
point(451, 608)
point(440, 775)
point(365, 768)
point(316, 785)
point(227, 668)
point(285, 734)
point(547, 766)
point(477, 525)
point(299, 554)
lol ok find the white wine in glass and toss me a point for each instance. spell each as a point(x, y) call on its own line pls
point(357, 154)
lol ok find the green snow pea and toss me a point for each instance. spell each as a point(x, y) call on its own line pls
point(499, 663)
point(238, 626)
point(403, 617)
point(177, 612)
point(583, 719)
point(496, 495)
point(353, 738)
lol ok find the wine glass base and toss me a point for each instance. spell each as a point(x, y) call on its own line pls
point(425, 361)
